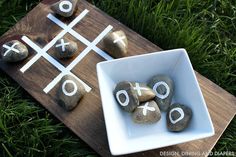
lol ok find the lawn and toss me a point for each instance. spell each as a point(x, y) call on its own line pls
point(207, 29)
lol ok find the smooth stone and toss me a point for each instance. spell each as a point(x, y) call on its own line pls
point(65, 48)
point(178, 117)
point(116, 44)
point(14, 51)
point(147, 112)
point(65, 8)
point(163, 86)
point(126, 96)
point(70, 92)
point(144, 92)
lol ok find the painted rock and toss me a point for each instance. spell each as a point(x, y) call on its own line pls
point(14, 51)
point(126, 96)
point(147, 112)
point(178, 117)
point(163, 86)
point(65, 48)
point(144, 92)
point(70, 92)
point(116, 44)
point(65, 8)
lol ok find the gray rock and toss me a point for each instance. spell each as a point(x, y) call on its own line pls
point(14, 51)
point(70, 92)
point(65, 48)
point(116, 44)
point(178, 117)
point(163, 86)
point(126, 96)
point(65, 8)
point(144, 92)
point(147, 112)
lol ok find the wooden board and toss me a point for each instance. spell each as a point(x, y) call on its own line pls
point(87, 120)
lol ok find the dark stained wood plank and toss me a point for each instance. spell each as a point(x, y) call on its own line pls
point(87, 120)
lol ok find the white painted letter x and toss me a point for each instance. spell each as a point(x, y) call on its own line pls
point(10, 48)
point(119, 39)
point(146, 108)
point(138, 88)
point(62, 45)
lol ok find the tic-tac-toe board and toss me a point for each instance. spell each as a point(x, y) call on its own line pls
point(40, 74)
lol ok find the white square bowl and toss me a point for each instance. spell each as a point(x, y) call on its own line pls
point(124, 136)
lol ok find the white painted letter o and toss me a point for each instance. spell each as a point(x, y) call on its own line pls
point(64, 88)
point(63, 4)
point(126, 97)
point(181, 112)
point(161, 96)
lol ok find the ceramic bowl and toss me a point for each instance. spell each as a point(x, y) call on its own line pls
point(125, 136)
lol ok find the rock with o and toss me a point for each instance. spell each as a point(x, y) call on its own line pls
point(178, 117)
point(70, 92)
point(126, 96)
point(64, 8)
point(163, 86)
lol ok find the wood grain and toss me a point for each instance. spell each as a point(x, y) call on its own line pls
point(87, 120)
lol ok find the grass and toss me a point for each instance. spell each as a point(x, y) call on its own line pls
point(207, 29)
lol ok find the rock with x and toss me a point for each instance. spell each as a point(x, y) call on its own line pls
point(65, 48)
point(14, 51)
point(116, 44)
point(144, 92)
point(147, 112)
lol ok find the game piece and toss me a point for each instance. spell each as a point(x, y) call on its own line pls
point(144, 92)
point(116, 44)
point(65, 8)
point(126, 96)
point(178, 117)
point(14, 51)
point(147, 112)
point(163, 86)
point(65, 48)
point(70, 92)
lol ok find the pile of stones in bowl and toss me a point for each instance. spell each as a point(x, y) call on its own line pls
point(146, 101)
